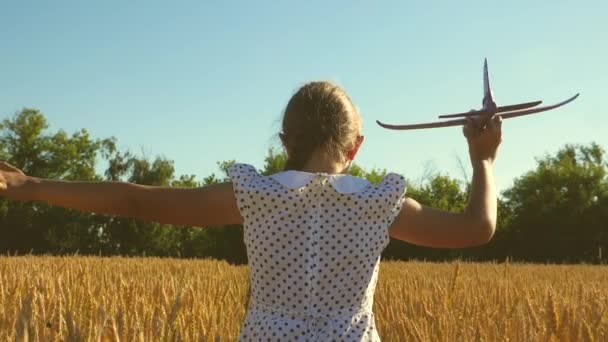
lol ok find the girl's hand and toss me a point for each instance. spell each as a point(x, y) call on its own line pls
point(11, 180)
point(483, 135)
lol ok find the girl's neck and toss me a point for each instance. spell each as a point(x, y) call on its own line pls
point(321, 165)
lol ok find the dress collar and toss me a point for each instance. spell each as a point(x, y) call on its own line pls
point(342, 183)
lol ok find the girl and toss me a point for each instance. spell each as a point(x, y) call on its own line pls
point(314, 234)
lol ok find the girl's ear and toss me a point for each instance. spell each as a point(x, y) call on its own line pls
point(350, 155)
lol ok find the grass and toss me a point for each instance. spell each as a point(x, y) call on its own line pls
point(151, 299)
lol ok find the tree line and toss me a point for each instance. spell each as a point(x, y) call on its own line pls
point(557, 212)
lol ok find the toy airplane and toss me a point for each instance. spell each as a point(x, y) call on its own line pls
point(489, 108)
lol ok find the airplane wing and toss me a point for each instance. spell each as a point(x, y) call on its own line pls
point(508, 108)
point(460, 122)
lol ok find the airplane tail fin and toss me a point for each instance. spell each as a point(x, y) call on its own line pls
point(488, 100)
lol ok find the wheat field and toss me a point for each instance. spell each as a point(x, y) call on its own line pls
point(152, 299)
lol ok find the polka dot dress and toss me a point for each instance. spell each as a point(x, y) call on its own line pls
point(313, 243)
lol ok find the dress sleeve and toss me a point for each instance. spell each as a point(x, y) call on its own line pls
point(396, 188)
point(241, 176)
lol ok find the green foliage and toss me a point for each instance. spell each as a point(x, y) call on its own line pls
point(374, 176)
point(441, 192)
point(274, 162)
point(37, 226)
point(185, 181)
point(557, 212)
point(224, 167)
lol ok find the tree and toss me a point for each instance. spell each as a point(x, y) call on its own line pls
point(37, 226)
point(556, 212)
point(560, 210)
point(129, 236)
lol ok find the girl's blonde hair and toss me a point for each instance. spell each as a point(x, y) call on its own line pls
point(319, 117)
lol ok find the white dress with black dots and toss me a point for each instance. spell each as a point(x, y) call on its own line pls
point(313, 243)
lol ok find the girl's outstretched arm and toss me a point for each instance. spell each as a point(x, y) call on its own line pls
point(430, 227)
point(212, 205)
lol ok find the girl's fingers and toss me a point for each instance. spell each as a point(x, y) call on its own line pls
point(478, 125)
point(494, 121)
point(491, 123)
point(4, 166)
point(469, 128)
point(498, 121)
point(495, 125)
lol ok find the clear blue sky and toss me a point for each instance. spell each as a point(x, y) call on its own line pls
point(200, 82)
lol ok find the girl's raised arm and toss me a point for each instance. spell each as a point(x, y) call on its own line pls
point(212, 205)
point(430, 227)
